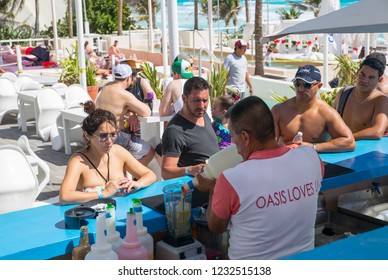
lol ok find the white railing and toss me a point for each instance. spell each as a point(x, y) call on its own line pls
point(212, 57)
point(10, 42)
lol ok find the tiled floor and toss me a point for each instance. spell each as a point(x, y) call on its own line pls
point(57, 160)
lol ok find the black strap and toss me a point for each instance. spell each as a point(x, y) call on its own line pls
point(344, 97)
point(96, 167)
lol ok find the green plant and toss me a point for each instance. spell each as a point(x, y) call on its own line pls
point(90, 74)
point(151, 74)
point(217, 80)
point(329, 97)
point(278, 98)
point(347, 70)
point(70, 69)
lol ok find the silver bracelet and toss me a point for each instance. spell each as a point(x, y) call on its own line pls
point(315, 146)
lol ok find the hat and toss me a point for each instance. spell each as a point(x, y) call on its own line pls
point(182, 67)
point(308, 73)
point(182, 56)
point(122, 71)
point(241, 43)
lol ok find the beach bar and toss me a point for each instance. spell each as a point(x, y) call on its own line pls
point(40, 233)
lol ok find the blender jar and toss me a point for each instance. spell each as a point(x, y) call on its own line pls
point(178, 214)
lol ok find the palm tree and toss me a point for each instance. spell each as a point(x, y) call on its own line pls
point(259, 67)
point(307, 5)
point(247, 15)
point(229, 10)
point(195, 14)
point(294, 13)
point(141, 7)
point(9, 8)
point(37, 28)
point(120, 18)
point(70, 17)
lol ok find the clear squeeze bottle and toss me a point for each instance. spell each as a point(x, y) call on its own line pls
point(217, 163)
point(131, 248)
point(298, 137)
point(101, 250)
point(144, 237)
point(83, 248)
point(112, 236)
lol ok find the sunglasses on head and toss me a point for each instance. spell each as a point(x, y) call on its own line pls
point(102, 137)
point(306, 85)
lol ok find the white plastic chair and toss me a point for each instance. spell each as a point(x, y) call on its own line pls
point(8, 98)
point(10, 76)
point(57, 134)
point(60, 88)
point(49, 105)
point(39, 166)
point(30, 85)
point(59, 85)
point(20, 81)
point(18, 182)
point(76, 94)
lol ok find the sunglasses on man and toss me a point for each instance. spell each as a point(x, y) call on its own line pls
point(306, 85)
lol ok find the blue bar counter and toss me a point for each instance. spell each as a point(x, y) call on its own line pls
point(39, 233)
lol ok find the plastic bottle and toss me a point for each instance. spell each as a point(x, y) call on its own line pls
point(131, 248)
point(112, 236)
point(298, 137)
point(101, 250)
point(217, 163)
point(83, 248)
point(144, 237)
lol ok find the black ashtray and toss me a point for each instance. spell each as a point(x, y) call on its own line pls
point(75, 217)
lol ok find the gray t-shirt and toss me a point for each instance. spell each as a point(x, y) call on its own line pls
point(193, 144)
point(237, 67)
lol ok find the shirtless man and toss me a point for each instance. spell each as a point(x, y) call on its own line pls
point(116, 99)
point(383, 84)
point(114, 50)
point(363, 107)
point(322, 127)
point(172, 96)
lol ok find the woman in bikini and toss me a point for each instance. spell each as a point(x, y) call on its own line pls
point(98, 170)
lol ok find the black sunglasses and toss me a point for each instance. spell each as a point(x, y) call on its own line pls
point(306, 85)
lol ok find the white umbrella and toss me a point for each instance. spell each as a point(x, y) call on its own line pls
point(366, 16)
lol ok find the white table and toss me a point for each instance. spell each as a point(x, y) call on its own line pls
point(71, 115)
point(152, 128)
point(28, 97)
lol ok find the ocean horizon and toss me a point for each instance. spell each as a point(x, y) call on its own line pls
point(186, 14)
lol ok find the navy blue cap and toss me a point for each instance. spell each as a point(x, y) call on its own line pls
point(308, 73)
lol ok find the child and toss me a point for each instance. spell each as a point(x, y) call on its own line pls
point(268, 57)
point(220, 124)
